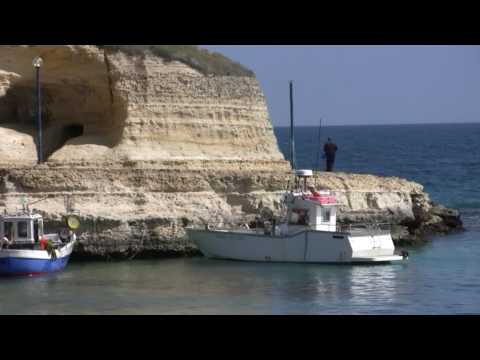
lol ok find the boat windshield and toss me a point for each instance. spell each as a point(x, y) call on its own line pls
point(8, 230)
point(22, 229)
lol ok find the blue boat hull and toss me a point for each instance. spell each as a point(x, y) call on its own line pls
point(19, 266)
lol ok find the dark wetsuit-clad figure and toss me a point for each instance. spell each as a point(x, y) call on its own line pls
point(330, 150)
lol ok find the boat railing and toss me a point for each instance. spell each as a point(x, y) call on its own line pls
point(369, 228)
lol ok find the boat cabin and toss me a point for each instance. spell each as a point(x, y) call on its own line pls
point(22, 229)
point(315, 209)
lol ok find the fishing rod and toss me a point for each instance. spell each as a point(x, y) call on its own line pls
point(319, 144)
point(319, 147)
point(292, 129)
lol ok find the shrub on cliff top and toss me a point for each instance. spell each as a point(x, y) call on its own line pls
point(208, 63)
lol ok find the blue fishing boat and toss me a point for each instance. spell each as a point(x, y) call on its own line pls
point(25, 250)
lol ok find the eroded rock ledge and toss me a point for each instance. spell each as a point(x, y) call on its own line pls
point(136, 211)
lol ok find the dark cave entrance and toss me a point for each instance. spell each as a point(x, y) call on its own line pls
point(72, 131)
point(79, 115)
point(59, 136)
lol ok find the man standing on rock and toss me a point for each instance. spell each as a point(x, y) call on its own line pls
point(330, 150)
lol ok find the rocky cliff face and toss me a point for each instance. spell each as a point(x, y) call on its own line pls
point(145, 147)
point(102, 106)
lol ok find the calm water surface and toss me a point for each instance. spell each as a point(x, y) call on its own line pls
point(442, 277)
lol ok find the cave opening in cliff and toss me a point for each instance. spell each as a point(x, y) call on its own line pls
point(73, 114)
point(68, 133)
point(72, 131)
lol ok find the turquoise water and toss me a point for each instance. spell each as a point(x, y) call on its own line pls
point(442, 277)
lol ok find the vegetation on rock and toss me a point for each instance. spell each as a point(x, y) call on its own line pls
point(208, 63)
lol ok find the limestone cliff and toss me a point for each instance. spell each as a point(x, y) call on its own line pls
point(145, 146)
point(102, 106)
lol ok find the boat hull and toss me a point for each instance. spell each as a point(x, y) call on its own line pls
point(26, 267)
point(302, 247)
point(33, 262)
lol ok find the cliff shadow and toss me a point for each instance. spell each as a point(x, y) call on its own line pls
point(73, 114)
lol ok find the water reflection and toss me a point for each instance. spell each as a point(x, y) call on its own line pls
point(335, 289)
point(197, 286)
point(439, 278)
point(370, 286)
point(298, 288)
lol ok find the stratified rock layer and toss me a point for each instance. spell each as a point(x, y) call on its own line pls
point(145, 148)
point(103, 107)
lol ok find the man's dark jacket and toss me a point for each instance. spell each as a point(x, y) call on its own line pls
point(330, 149)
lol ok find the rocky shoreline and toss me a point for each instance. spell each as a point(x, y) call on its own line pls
point(138, 212)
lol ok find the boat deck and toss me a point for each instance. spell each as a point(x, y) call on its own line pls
point(296, 229)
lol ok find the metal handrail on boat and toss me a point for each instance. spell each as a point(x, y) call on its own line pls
point(375, 228)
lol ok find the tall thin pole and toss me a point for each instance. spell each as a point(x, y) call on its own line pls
point(39, 118)
point(319, 144)
point(292, 129)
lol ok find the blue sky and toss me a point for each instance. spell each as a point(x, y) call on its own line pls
point(356, 85)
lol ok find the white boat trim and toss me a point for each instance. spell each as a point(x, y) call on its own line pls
point(377, 259)
point(38, 254)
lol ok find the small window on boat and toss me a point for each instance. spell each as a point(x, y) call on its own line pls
point(326, 215)
point(8, 231)
point(23, 230)
point(35, 230)
point(40, 227)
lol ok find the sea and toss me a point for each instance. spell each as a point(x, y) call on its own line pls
point(442, 277)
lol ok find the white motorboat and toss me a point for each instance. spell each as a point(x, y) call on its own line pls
point(308, 233)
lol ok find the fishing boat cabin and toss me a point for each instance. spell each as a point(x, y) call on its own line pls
point(21, 231)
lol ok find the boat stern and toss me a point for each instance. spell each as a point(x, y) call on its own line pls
point(373, 247)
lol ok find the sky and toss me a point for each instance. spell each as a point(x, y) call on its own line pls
point(361, 85)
